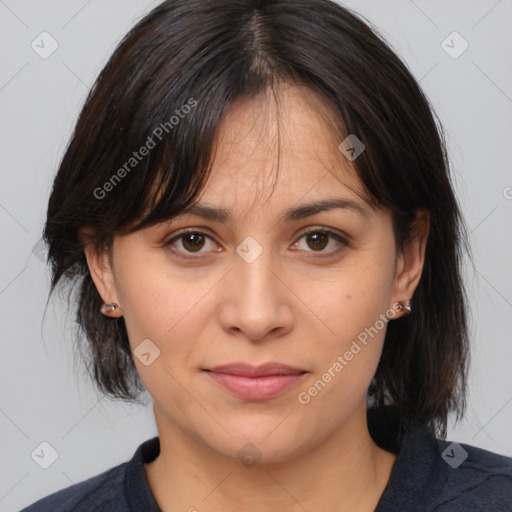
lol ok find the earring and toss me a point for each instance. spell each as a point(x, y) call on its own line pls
point(105, 308)
point(406, 305)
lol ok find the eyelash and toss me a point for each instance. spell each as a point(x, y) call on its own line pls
point(343, 241)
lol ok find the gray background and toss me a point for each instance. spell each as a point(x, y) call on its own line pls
point(43, 398)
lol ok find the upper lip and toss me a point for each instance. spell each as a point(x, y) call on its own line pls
point(247, 370)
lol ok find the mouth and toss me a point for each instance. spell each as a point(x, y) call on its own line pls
point(256, 382)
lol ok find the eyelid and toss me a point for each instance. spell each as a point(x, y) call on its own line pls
point(196, 231)
point(324, 229)
point(340, 237)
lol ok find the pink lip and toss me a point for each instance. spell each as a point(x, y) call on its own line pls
point(256, 383)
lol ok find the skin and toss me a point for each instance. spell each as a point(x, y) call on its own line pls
point(291, 305)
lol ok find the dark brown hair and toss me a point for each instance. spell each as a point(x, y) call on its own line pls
point(167, 87)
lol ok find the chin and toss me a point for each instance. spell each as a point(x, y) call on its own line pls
point(264, 445)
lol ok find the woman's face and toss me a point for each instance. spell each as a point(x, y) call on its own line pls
point(255, 288)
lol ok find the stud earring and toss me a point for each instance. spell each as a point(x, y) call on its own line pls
point(405, 305)
point(105, 308)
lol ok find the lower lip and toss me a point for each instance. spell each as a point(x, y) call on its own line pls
point(256, 388)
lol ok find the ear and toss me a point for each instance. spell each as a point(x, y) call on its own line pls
point(410, 262)
point(99, 262)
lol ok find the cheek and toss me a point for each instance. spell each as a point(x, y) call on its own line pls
point(166, 308)
point(350, 302)
point(155, 300)
point(145, 303)
point(345, 366)
point(352, 311)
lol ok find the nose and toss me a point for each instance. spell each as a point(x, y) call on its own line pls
point(256, 302)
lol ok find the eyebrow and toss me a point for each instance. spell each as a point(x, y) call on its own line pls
point(302, 211)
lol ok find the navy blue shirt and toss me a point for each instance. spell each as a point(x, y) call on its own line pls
point(428, 475)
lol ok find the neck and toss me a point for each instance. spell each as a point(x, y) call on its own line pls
point(188, 475)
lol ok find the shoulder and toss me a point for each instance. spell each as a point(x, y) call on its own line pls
point(103, 492)
point(119, 489)
point(472, 479)
point(437, 475)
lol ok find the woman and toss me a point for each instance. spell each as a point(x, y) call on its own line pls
point(256, 204)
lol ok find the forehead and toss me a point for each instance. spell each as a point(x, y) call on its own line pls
point(282, 143)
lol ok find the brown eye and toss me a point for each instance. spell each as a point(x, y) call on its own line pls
point(192, 242)
point(318, 240)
